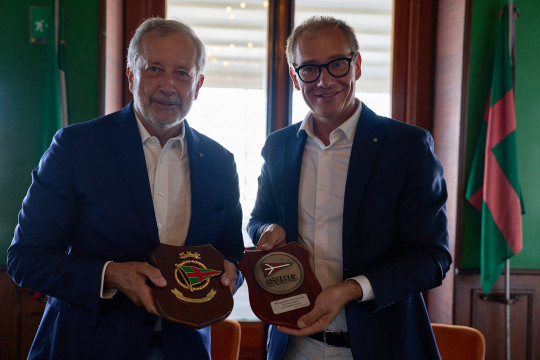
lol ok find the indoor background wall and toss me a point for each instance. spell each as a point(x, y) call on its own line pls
point(21, 83)
point(21, 86)
point(472, 306)
point(527, 92)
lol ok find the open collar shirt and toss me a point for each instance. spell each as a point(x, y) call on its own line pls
point(168, 174)
point(320, 204)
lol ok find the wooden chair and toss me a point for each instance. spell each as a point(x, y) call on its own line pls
point(456, 342)
point(225, 340)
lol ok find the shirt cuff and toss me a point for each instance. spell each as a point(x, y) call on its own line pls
point(268, 227)
point(367, 290)
point(106, 293)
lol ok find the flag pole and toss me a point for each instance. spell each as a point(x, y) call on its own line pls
point(507, 308)
point(507, 273)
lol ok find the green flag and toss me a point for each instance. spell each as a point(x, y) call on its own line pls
point(493, 187)
point(54, 108)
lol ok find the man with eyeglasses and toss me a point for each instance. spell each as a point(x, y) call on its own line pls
point(366, 196)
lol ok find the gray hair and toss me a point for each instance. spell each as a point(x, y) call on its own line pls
point(165, 27)
point(312, 26)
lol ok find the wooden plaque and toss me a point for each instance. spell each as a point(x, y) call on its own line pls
point(194, 295)
point(282, 286)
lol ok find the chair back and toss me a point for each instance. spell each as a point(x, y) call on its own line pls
point(456, 342)
point(225, 337)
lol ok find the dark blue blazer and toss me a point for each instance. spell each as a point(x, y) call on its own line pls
point(394, 230)
point(89, 202)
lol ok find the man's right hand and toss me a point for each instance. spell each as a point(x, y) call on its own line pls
point(272, 237)
point(130, 278)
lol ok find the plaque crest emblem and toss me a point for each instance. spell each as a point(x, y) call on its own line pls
point(193, 275)
point(279, 273)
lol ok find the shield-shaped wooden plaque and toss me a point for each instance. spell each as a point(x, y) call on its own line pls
point(281, 283)
point(194, 295)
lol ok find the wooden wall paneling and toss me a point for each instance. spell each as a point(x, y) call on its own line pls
point(111, 66)
point(460, 203)
point(279, 89)
point(134, 13)
point(412, 61)
point(448, 103)
point(427, 70)
point(400, 39)
point(487, 315)
point(9, 313)
point(420, 66)
point(20, 317)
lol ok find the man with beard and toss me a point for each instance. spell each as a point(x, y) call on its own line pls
point(108, 191)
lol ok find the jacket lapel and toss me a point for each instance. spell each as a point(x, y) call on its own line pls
point(126, 141)
point(368, 140)
point(197, 175)
point(293, 151)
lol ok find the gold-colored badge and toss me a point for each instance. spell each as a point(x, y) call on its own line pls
point(193, 275)
point(279, 273)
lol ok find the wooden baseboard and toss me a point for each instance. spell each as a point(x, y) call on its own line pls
point(487, 312)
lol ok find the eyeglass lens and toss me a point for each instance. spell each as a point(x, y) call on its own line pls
point(336, 68)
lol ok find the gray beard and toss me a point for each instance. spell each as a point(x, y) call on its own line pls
point(159, 122)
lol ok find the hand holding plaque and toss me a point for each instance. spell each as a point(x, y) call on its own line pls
point(282, 286)
point(194, 295)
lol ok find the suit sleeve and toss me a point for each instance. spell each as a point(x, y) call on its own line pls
point(419, 257)
point(40, 256)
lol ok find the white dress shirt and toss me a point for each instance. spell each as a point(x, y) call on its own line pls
point(168, 174)
point(320, 222)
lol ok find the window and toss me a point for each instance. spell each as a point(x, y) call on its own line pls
point(231, 107)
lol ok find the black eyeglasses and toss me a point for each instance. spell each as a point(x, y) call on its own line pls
point(312, 72)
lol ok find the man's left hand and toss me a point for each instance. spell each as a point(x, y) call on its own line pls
point(229, 276)
point(327, 305)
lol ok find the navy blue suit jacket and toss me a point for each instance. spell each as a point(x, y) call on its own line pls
point(394, 230)
point(90, 202)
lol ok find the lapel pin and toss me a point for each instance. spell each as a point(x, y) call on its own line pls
point(201, 154)
point(375, 140)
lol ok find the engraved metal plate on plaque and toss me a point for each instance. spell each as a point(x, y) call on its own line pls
point(279, 273)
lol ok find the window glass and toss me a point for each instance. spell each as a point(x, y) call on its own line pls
point(231, 107)
point(372, 21)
